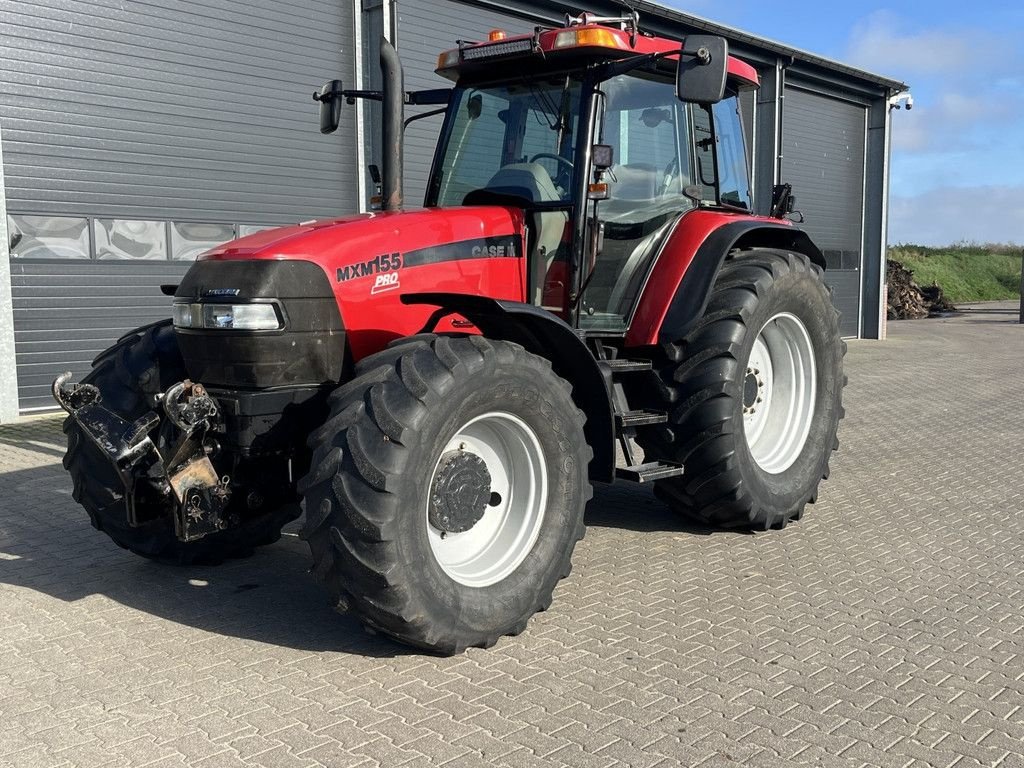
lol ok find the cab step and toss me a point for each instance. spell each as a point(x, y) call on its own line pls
point(624, 365)
point(628, 420)
point(649, 472)
point(640, 418)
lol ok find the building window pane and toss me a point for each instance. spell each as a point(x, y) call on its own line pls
point(124, 239)
point(251, 229)
point(48, 237)
point(188, 240)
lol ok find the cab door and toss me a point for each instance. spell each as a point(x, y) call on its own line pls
point(648, 129)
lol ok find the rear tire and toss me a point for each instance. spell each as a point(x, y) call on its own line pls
point(129, 375)
point(754, 395)
point(433, 407)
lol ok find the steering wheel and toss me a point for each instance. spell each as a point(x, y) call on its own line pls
point(552, 156)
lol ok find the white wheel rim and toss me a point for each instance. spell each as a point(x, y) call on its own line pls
point(499, 542)
point(779, 393)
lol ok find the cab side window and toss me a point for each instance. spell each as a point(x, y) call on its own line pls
point(704, 152)
point(733, 179)
point(720, 154)
point(478, 132)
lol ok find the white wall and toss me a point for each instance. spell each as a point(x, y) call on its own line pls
point(8, 370)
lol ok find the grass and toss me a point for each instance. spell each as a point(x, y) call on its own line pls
point(966, 272)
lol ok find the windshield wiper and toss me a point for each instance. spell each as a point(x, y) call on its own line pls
point(546, 106)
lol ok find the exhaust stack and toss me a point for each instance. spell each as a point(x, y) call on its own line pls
point(393, 120)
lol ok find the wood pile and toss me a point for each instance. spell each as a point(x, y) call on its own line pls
point(909, 301)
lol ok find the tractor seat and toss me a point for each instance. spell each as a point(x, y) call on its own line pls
point(529, 182)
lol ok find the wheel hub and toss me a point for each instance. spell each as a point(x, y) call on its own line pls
point(753, 385)
point(779, 392)
point(491, 484)
point(460, 493)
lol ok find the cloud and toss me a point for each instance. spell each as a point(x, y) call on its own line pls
point(882, 42)
point(989, 214)
point(965, 128)
point(963, 79)
point(953, 121)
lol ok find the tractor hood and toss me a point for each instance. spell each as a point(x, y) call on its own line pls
point(370, 260)
point(335, 243)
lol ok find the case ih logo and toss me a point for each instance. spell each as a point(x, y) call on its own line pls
point(376, 265)
point(481, 251)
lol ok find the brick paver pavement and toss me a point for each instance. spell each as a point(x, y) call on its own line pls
point(884, 629)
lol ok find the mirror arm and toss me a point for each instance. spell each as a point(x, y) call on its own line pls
point(702, 55)
point(418, 98)
point(420, 116)
point(622, 66)
point(349, 96)
point(432, 97)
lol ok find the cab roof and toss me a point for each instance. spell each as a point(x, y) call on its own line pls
point(577, 45)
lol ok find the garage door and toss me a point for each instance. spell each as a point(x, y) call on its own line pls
point(425, 29)
point(138, 134)
point(823, 158)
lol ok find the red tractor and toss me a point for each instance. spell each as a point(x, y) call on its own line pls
point(441, 387)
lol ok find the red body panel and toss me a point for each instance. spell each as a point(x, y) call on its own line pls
point(681, 247)
point(370, 309)
point(372, 313)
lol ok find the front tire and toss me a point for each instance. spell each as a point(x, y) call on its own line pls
point(129, 375)
point(447, 490)
point(754, 395)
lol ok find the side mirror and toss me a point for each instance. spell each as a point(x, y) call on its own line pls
point(331, 99)
point(703, 65)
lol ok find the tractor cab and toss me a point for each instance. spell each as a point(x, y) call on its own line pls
point(604, 137)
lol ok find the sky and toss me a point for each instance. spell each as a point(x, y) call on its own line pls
point(957, 171)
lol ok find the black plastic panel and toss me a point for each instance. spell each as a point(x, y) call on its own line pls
point(309, 350)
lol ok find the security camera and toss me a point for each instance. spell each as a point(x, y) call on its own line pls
point(905, 96)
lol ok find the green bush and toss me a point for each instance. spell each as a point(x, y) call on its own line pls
point(966, 272)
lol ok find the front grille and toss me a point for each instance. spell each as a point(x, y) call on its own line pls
point(308, 350)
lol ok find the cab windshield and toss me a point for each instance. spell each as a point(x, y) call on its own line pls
point(513, 139)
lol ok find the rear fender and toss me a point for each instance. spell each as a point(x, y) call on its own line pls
point(656, 323)
point(544, 334)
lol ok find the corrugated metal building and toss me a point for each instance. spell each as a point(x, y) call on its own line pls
point(133, 135)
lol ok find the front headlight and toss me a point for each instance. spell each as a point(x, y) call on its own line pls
point(181, 315)
point(236, 317)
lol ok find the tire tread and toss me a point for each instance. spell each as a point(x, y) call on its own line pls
point(371, 430)
point(697, 371)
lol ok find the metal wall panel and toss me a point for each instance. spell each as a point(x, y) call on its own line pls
point(823, 158)
point(158, 111)
point(845, 284)
point(66, 312)
point(425, 29)
point(179, 109)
